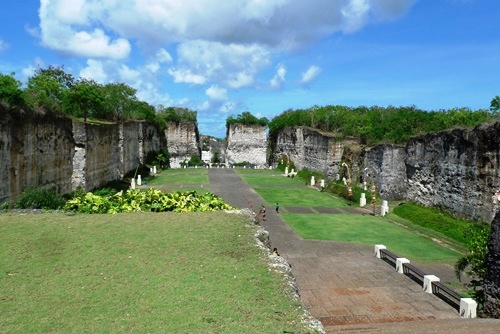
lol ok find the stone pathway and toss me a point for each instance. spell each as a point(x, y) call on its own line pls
point(344, 285)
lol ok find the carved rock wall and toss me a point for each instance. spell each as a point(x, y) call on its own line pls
point(315, 150)
point(492, 280)
point(183, 141)
point(34, 152)
point(385, 166)
point(457, 170)
point(246, 143)
point(62, 155)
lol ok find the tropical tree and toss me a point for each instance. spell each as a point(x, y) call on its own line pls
point(86, 99)
point(47, 89)
point(119, 99)
point(10, 90)
point(495, 104)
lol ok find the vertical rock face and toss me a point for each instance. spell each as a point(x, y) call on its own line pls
point(492, 280)
point(183, 141)
point(246, 143)
point(34, 152)
point(314, 150)
point(457, 170)
point(63, 155)
point(385, 165)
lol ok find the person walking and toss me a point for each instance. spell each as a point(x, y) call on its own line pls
point(277, 208)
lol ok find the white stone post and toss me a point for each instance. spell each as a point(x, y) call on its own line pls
point(293, 171)
point(428, 279)
point(286, 171)
point(362, 200)
point(154, 170)
point(399, 264)
point(322, 183)
point(377, 250)
point(468, 308)
point(132, 184)
point(384, 208)
point(312, 180)
point(139, 180)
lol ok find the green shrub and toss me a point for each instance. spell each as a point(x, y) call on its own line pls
point(105, 192)
point(39, 198)
point(435, 219)
point(152, 200)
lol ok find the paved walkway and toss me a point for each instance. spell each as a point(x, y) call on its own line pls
point(344, 285)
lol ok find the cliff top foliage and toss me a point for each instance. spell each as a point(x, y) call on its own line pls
point(176, 114)
point(246, 118)
point(382, 124)
point(51, 91)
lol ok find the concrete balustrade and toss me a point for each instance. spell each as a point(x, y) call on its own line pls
point(468, 307)
point(427, 285)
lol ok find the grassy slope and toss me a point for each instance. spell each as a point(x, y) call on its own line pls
point(364, 229)
point(142, 272)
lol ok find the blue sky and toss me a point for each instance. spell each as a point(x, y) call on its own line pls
point(224, 57)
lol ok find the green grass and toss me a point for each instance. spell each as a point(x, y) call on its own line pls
point(258, 177)
point(140, 273)
point(399, 235)
point(369, 230)
point(302, 197)
point(193, 177)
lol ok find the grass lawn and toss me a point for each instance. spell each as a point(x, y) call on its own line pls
point(138, 273)
point(193, 177)
point(274, 178)
point(304, 197)
point(369, 230)
point(417, 244)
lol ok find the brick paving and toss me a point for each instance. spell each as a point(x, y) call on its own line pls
point(345, 286)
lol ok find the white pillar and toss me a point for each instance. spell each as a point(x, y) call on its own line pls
point(154, 170)
point(286, 171)
point(384, 209)
point(377, 250)
point(362, 200)
point(399, 264)
point(312, 180)
point(132, 184)
point(428, 279)
point(322, 183)
point(468, 308)
point(139, 180)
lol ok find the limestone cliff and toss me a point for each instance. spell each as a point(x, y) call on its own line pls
point(61, 154)
point(317, 151)
point(183, 141)
point(385, 166)
point(246, 143)
point(35, 151)
point(492, 280)
point(457, 170)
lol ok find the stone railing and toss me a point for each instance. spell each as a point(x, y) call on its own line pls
point(467, 307)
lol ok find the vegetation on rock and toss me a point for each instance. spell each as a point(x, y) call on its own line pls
point(379, 124)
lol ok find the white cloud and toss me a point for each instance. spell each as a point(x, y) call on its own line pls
point(216, 93)
point(103, 28)
point(71, 30)
point(186, 76)
point(3, 45)
point(94, 70)
point(279, 78)
point(233, 66)
point(309, 75)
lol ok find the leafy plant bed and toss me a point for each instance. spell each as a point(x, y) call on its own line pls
point(150, 200)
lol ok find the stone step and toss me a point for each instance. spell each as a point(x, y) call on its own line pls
point(445, 326)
